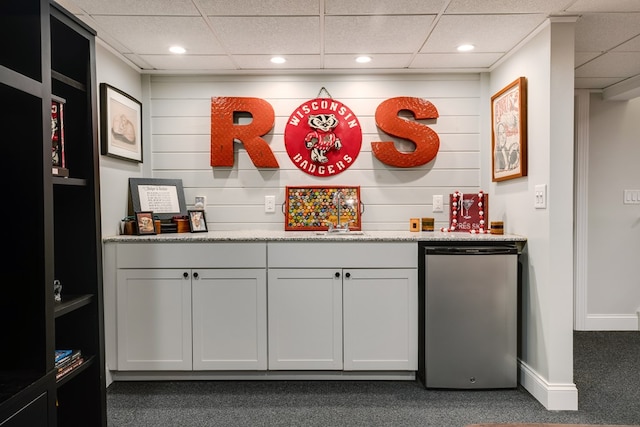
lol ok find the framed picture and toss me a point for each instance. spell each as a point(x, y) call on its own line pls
point(120, 124)
point(165, 197)
point(144, 222)
point(509, 131)
point(197, 221)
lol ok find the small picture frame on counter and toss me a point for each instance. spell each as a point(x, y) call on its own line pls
point(144, 223)
point(197, 221)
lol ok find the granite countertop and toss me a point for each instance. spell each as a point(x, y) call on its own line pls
point(286, 236)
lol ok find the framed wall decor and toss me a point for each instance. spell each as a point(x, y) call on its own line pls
point(509, 131)
point(197, 221)
point(120, 124)
point(144, 221)
point(163, 196)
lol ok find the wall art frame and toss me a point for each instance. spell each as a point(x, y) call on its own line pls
point(197, 221)
point(144, 222)
point(163, 196)
point(120, 124)
point(509, 131)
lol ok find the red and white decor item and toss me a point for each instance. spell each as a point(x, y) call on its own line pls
point(323, 137)
point(468, 212)
point(58, 163)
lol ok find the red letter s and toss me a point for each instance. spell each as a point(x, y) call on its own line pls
point(426, 140)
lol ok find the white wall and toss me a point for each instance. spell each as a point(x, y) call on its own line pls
point(180, 108)
point(613, 282)
point(547, 293)
point(115, 173)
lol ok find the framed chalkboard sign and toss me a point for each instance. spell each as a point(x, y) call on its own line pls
point(164, 197)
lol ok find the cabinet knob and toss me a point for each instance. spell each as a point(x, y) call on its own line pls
point(337, 274)
point(185, 275)
point(195, 275)
point(348, 275)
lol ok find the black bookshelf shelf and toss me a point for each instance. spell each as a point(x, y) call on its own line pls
point(78, 182)
point(71, 303)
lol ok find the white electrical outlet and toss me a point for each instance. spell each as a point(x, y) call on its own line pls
point(540, 201)
point(269, 204)
point(438, 203)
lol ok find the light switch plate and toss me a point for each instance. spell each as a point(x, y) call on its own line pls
point(631, 197)
point(437, 203)
point(540, 196)
point(269, 204)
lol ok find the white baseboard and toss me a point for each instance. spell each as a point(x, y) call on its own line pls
point(554, 397)
point(612, 322)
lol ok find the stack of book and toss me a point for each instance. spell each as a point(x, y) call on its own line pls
point(67, 361)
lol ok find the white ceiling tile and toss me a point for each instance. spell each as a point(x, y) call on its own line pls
point(260, 7)
point(375, 34)
point(155, 34)
point(627, 65)
point(455, 60)
point(632, 45)
point(138, 7)
point(604, 31)
point(605, 6)
point(583, 57)
point(488, 33)
point(262, 62)
point(594, 82)
point(189, 62)
point(506, 6)
point(379, 61)
point(273, 35)
point(383, 7)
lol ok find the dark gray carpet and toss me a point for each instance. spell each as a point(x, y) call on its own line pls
point(607, 374)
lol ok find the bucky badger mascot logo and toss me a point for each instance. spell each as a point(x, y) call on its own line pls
point(322, 138)
point(327, 142)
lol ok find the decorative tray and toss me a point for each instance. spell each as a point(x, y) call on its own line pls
point(312, 208)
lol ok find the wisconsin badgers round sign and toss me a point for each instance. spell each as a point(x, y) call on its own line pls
point(323, 137)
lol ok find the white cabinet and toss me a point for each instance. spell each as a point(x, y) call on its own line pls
point(305, 319)
point(154, 319)
point(229, 327)
point(359, 313)
point(187, 306)
point(380, 319)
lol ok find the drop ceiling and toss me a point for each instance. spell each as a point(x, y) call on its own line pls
point(240, 36)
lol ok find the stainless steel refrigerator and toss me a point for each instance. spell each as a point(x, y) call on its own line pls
point(470, 316)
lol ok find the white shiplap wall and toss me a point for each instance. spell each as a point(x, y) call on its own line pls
point(180, 138)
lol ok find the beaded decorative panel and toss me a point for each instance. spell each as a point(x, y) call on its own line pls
point(313, 208)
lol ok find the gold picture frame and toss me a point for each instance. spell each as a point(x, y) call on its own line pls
point(509, 131)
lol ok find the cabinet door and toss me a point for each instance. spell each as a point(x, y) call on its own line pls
point(380, 319)
point(305, 319)
point(229, 319)
point(154, 319)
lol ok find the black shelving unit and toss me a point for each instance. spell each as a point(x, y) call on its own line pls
point(57, 232)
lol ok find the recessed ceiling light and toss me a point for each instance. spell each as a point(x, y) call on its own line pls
point(465, 47)
point(278, 60)
point(177, 49)
point(363, 59)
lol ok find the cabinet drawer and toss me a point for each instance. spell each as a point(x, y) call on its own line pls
point(343, 254)
point(191, 255)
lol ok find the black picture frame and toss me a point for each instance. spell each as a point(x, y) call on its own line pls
point(197, 221)
point(165, 197)
point(120, 124)
point(145, 223)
